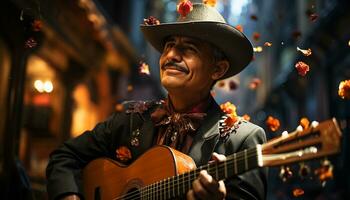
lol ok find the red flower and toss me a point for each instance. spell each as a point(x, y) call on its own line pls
point(151, 21)
point(273, 123)
point(184, 8)
point(37, 25)
point(344, 89)
point(123, 153)
point(256, 36)
point(302, 68)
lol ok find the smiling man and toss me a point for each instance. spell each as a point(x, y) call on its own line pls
point(197, 50)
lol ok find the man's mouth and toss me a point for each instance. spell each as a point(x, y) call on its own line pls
point(175, 66)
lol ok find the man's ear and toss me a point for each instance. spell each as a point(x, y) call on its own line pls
point(220, 69)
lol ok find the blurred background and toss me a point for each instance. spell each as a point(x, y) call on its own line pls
point(66, 65)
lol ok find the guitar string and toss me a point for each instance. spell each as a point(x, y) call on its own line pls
point(153, 191)
point(146, 190)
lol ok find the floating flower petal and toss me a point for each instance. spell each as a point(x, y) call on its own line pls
point(302, 68)
point(256, 36)
point(240, 28)
point(184, 8)
point(144, 68)
point(119, 107)
point(306, 52)
point(273, 123)
point(210, 2)
point(246, 117)
point(267, 44)
point(297, 192)
point(344, 89)
point(254, 17)
point(254, 83)
point(325, 172)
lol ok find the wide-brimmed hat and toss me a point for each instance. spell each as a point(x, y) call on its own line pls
point(205, 23)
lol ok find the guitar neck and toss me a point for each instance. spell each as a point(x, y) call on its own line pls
point(178, 186)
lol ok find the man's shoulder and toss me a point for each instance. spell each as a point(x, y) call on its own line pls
point(139, 106)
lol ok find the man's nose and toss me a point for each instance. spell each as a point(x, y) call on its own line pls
point(174, 54)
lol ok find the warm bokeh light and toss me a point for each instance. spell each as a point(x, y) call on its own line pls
point(41, 86)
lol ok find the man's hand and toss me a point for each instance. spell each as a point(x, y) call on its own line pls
point(205, 187)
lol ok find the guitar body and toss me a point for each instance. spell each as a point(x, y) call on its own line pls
point(108, 179)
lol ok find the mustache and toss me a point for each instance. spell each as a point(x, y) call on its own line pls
point(176, 65)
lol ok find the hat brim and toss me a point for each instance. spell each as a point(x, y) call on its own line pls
point(228, 39)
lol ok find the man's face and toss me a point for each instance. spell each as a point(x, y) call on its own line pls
point(186, 63)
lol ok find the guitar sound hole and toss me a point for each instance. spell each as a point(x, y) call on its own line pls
point(133, 193)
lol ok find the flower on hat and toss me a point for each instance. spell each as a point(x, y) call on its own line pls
point(151, 21)
point(184, 8)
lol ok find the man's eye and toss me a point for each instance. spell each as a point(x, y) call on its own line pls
point(168, 45)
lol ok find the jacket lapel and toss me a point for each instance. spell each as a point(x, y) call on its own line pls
point(207, 136)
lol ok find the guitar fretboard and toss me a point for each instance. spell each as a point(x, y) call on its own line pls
point(178, 186)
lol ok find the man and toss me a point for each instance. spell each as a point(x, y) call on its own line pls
point(197, 51)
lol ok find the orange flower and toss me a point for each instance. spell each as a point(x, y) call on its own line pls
point(221, 84)
point(304, 122)
point(344, 89)
point(302, 68)
point(210, 2)
point(305, 52)
point(297, 192)
point(273, 123)
point(231, 120)
point(184, 8)
point(229, 108)
point(123, 153)
point(240, 28)
point(246, 117)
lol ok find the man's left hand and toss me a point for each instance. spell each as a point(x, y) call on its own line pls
point(205, 186)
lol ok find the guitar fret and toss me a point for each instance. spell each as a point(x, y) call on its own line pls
point(178, 186)
point(183, 183)
point(245, 159)
point(189, 180)
point(169, 188)
point(235, 162)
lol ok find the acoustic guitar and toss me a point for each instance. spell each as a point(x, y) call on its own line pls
point(164, 173)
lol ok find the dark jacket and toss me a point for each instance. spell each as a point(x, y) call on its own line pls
point(65, 164)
